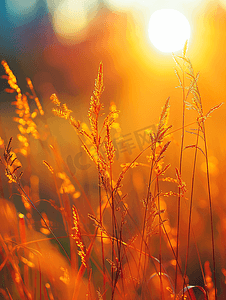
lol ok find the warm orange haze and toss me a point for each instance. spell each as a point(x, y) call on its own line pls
point(112, 147)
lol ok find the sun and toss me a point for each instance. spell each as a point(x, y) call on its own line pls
point(168, 30)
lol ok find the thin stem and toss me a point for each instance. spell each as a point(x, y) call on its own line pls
point(146, 209)
point(160, 239)
point(191, 202)
point(211, 209)
point(32, 204)
point(101, 234)
point(180, 169)
point(114, 234)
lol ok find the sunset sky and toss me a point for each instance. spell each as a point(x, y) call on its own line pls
point(59, 45)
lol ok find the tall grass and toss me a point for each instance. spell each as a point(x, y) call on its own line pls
point(107, 250)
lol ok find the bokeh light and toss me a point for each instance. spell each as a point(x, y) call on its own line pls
point(69, 19)
point(19, 11)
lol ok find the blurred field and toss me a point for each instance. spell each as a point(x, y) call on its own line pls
point(119, 241)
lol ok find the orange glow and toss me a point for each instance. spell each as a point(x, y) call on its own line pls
point(120, 189)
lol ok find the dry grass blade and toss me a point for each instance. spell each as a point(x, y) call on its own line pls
point(109, 147)
point(48, 166)
point(181, 183)
point(77, 236)
point(177, 62)
point(164, 115)
point(188, 292)
point(195, 146)
point(185, 48)
point(178, 77)
point(213, 108)
point(96, 106)
point(162, 172)
point(98, 224)
point(163, 150)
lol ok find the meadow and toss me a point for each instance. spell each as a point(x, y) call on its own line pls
point(100, 225)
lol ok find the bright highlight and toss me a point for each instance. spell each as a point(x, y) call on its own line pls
point(70, 18)
point(168, 30)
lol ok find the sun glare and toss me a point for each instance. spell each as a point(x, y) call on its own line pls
point(168, 30)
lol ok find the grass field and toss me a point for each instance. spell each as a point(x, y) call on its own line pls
point(100, 225)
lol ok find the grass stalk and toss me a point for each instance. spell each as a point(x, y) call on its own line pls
point(160, 238)
point(145, 211)
point(180, 170)
point(101, 237)
point(210, 208)
point(117, 223)
point(23, 239)
point(191, 203)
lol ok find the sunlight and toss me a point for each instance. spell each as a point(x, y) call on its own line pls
point(168, 30)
